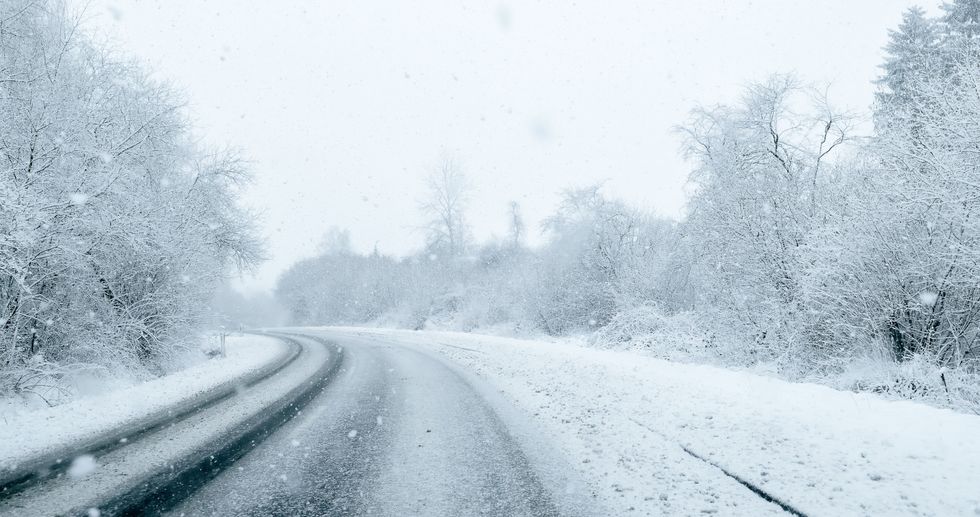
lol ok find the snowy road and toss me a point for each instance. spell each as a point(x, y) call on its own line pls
point(387, 422)
point(148, 463)
point(396, 432)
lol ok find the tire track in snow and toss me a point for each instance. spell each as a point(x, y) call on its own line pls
point(747, 484)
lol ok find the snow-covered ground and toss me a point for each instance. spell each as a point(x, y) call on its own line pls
point(26, 436)
point(657, 437)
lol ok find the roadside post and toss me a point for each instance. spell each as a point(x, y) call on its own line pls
point(223, 334)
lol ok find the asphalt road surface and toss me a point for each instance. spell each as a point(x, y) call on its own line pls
point(396, 432)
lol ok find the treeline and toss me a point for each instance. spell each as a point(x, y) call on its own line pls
point(805, 248)
point(114, 225)
point(602, 256)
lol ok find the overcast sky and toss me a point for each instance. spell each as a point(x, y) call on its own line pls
point(343, 106)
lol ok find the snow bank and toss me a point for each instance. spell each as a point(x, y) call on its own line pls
point(635, 423)
point(27, 436)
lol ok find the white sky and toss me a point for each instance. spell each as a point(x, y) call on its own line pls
point(343, 106)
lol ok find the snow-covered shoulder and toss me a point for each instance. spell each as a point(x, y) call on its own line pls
point(675, 438)
point(26, 436)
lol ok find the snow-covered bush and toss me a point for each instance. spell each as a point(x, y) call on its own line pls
point(682, 336)
point(637, 327)
point(643, 327)
point(917, 378)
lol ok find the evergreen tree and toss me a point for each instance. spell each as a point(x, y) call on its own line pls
point(912, 51)
point(961, 19)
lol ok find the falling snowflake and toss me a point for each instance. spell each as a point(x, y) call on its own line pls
point(928, 298)
point(82, 466)
point(78, 198)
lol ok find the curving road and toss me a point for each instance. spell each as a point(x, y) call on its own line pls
point(395, 432)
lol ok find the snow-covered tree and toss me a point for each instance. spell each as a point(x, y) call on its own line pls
point(760, 168)
point(912, 52)
point(114, 225)
point(961, 19)
point(601, 256)
point(341, 287)
point(903, 267)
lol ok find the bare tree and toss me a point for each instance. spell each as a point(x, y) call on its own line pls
point(515, 224)
point(444, 206)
